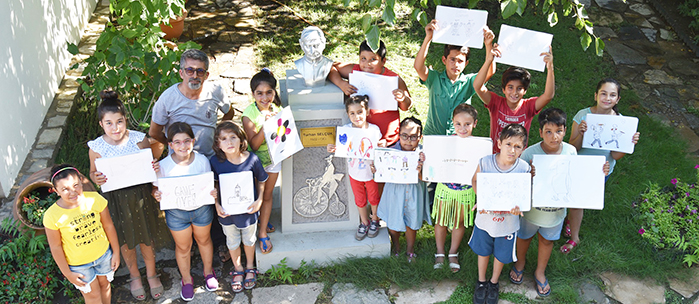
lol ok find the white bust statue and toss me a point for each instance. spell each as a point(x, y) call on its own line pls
point(314, 67)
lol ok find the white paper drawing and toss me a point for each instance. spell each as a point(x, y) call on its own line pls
point(237, 192)
point(610, 132)
point(126, 170)
point(522, 47)
point(396, 166)
point(503, 191)
point(379, 88)
point(460, 26)
point(568, 181)
point(451, 159)
point(186, 192)
point(356, 143)
point(282, 136)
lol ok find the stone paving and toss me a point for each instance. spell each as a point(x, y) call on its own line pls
point(662, 71)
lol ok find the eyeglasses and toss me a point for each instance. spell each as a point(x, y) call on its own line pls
point(407, 137)
point(181, 142)
point(190, 71)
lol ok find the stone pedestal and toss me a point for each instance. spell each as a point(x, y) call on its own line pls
point(318, 216)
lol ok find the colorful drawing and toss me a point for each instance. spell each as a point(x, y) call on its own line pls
point(396, 166)
point(356, 143)
point(282, 136)
point(460, 26)
point(610, 132)
point(553, 182)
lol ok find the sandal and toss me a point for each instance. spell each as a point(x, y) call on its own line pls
point(253, 280)
point(237, 286)
point(263, 245)
point(156, 292)
point(411, 256)
point(566, 249)
point(455, 267)
point(566, 229)
point(223, 254)
point(518, 274)
point(542, 286)
point(270, 228)
point(139, 294)
point(438, 265)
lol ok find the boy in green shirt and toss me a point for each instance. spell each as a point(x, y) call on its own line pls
point(449, 88)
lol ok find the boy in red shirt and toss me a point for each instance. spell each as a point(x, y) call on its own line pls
point(512, 108)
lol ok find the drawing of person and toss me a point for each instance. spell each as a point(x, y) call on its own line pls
point(560, 181)
point(615, 136)
point(596, 133)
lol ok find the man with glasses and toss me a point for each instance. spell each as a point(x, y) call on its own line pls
point(193, 101)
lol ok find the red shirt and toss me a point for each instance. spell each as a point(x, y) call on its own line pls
point(387, 121)
point(501, 115)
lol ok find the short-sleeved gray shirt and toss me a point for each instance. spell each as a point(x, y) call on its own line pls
point(173, 106)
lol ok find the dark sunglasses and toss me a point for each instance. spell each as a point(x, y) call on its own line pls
point(190, 71)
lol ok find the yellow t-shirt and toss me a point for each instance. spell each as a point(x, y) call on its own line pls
point(82, 235)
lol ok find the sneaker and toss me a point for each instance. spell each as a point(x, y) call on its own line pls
point(493, 293)
point(211, 281)
point(187, 292)
point(361, 232)
point(373, 229)
point(480, 293)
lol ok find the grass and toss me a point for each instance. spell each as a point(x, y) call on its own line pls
point(610, 241)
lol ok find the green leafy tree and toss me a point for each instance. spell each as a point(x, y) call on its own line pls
point(386, 10)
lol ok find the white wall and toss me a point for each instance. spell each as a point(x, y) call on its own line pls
point(33, 59)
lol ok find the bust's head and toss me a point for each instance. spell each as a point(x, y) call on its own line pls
point(312, 43)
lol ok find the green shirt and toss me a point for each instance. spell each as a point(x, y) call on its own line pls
point(254, 114)
point(444, 97)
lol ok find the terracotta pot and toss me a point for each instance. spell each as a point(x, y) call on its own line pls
point(37, 180)
point(174, 31)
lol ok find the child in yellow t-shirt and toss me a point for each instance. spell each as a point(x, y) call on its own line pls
point(81, 235)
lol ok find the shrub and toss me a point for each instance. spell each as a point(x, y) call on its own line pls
point(690, 8)
point(27, 270)
point(669, 218)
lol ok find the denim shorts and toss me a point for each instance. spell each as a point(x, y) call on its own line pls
point(234, 235)
point(527, 230)
point(90, 271)
point(178, 220)
point(503, 247)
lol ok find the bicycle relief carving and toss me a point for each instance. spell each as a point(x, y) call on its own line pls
point(313, 200)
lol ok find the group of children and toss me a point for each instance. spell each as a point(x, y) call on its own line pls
point(404, 207)
point(89, 260)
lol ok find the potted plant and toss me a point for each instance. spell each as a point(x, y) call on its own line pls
point(35, 204)
point(132, 59)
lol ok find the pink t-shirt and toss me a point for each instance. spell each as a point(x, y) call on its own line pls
point(501, 115)
point(387, 121)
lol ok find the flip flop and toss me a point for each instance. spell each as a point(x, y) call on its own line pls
point(542, 286)
point(565, 249)
point(263, 245)
point(270, 228)
point(518, 273)
point(566, 229)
